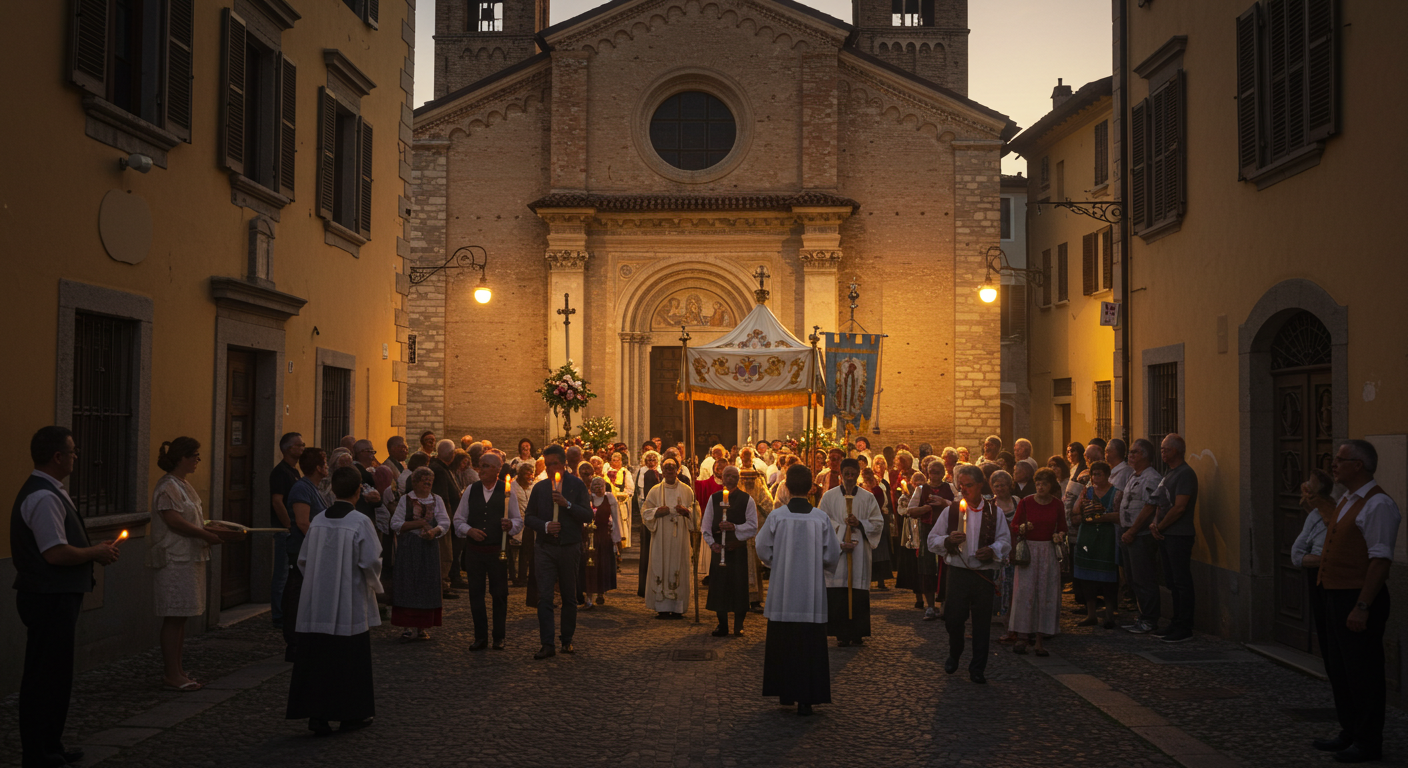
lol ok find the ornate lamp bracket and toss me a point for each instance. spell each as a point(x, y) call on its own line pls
point(464, 258)
point(1108, 211)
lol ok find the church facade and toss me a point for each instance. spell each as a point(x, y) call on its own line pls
point(632, 169)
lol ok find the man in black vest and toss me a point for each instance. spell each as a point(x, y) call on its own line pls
point(488, 510)
point(54, 568)
point(726, 534)
point(558, 546)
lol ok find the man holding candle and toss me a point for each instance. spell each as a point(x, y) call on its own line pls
point(730, 520)
point(557, 510)
point(974, 544)
point(857, 522)
point(486, 518)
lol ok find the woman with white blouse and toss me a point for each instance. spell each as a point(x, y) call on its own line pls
point(419, 521)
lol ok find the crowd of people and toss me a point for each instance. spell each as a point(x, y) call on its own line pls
point(979, 538)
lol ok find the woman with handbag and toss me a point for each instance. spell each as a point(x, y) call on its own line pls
point(1096, 553)
point(1001, 483)
point(1036, 587)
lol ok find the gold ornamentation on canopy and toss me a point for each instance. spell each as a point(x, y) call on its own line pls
point(730, 372)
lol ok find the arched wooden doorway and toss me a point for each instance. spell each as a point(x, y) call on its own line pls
point(1304, 439)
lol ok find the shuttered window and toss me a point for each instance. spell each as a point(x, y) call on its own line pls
point(136, 55)
point(1045, 172)
point(1157, 157)
point(1046, 278)
point(1006, 214)
point(1102, 152)
point(1090, 281)
point(258, 108)
point(344, 165)
point(1107, 258)
point(1014, 310)
point(368, 10)
point(1286, 80)
point(1063, 290)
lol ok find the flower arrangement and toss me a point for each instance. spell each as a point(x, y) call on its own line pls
point(598, 433)
point(823, 439)
point(565, 391)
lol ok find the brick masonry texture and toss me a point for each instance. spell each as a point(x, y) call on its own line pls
point(923, 167)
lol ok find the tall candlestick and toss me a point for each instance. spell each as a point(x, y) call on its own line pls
point(503, 546)
point(850, 609)
point(723, 534)
point(556, 486)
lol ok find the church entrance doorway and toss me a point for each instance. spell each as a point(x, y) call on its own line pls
point(712, 423)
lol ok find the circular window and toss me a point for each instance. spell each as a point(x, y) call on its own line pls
point(692, 131)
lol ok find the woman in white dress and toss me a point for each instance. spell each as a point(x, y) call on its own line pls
point(179, 548)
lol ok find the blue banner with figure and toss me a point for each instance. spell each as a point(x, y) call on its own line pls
point(852, 374)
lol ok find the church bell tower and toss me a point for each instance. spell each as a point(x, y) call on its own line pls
point(477, 38)
point(926, 37)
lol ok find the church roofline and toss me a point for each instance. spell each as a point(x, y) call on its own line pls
point(1009, 128)
point(503, 74)
point(669, 203)
point(558, 29)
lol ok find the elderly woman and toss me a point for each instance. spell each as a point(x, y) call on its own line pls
point(525, 454)
point(1306, 551)
point(420, 520)
point(178, 549)
point(1036, 587)
point(1001, 484)
point(339, 458)
point(606, 516)
point(1096, 553)
point(925, 506)
point(880, 558)
point(305, 503)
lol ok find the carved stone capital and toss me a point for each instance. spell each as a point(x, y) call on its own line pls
point(820, 259)
point(629, 337)
point(567, 260)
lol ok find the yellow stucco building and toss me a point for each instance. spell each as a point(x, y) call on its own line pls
point(202, 213)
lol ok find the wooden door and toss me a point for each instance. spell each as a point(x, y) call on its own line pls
point(666, 412)
point(1303, 441)
point(714, 425)
point(239, 474)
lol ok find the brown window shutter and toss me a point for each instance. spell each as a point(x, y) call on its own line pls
point(1107, 258)
point(364, 176)
point(88, 65)
point(232, 83)
point(373, 11)
point(288, 114)
point(1087, 264)
point(1046, 278)
point(1248, 110)
point(1063, 273)
point(1158, 147)
point(327, 150)
point(1320, 29)
point(1286, 36)
point(1174, 160)
point(1139, 165)
point(180, 34)
point(1102, 152)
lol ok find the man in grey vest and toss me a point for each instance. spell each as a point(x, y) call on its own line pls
point(54, 568)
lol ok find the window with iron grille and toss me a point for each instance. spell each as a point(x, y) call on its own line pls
point(1102, 410)
point(337, 405)
point(1163, 406)
point(104, 404)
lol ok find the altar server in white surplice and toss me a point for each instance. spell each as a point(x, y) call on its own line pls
point(849, 614)
point(669, 517)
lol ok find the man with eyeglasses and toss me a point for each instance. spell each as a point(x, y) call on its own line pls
point(1353, 576)
point(973, 538)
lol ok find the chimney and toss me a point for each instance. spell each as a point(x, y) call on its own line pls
point(1060, 94)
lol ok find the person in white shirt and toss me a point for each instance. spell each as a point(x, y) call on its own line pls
point(1115, 454)
point(974, 540)
point(801, 547)
point(730, 520)
point(1135, 501)
point(668, 517)
point(706, 467)
point(487, 517)
point(341, 563)
point(419, 521)
point(1353, 574)
point(848, 602)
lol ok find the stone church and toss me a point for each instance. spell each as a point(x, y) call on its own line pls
point(637, 164)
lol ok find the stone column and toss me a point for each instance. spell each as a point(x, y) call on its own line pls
point(632, 419)
point(977, 327)
point(820, 256)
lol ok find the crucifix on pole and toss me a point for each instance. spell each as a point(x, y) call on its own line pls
point(761, 294)
point(567, 312)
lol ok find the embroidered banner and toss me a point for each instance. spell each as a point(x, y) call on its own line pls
point(852, 373)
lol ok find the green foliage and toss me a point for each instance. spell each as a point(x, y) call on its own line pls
point(598, 433)
point(565, 391)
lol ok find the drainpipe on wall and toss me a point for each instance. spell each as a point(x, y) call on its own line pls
point(1121, 95)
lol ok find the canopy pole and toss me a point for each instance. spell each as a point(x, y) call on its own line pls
point(688, 428)
point(814, 421)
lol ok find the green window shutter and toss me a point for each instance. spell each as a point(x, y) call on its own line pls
point(232, 96)
point(88, 59)
point(287, 121)
point(327, 150)
point(1248, 109)
point(1139, 166)
point(364, 177)
point(1321, 27)
point(180, 36)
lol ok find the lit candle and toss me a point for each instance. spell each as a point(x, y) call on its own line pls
point(725, 497)
point(556, 486)
point(122, 535)
point(963, 520)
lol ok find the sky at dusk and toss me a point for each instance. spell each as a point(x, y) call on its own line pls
point(1016, 50)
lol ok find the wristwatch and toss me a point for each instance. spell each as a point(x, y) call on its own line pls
point(1361, 606)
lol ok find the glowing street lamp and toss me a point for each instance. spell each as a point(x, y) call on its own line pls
point(987, 293)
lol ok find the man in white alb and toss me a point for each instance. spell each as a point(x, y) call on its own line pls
point(668, 515)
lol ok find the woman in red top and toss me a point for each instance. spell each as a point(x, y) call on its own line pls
point(1036, 587)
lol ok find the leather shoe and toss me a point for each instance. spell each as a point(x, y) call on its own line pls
point(567, 648)
point(319, 727)
point(1336, 744)
point(498, 645)
point(479, 645)
point(545, 653)
point(74, 755)
point(950, 665)
point(805, 710)
point(354, 725)
point(720, 632)
point(1358, 754)
point(977, 677)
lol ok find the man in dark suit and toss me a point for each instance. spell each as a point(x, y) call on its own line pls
point(558, 546)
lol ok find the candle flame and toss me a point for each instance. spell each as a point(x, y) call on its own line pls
point(557, 477)
point(122, 535)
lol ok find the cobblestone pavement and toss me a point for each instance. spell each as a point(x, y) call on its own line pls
point(624, 699)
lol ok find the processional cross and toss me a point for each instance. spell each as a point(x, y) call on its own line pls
point(567, 312)
point(762, 293)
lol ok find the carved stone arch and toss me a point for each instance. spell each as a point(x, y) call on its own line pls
point(656, 281)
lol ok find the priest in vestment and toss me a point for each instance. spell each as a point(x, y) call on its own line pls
point(668, 515)
point(849, 609)
point(341, 564)
point(730, 520)
point(801, 547)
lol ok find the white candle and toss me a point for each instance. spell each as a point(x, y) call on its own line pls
point(556, 486)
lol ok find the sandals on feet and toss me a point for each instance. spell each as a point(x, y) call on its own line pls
point(190, 686)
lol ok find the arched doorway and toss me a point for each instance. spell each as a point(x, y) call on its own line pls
point(1304, 428)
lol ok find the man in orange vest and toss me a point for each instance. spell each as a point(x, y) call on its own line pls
point(1353, 571)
